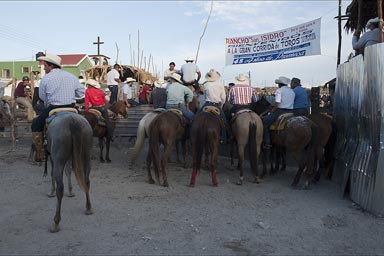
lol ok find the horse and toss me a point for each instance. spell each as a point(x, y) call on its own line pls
point(69, 137)
point(100, 131)
point(299, 137)
point(247, 129)
point(205, 135)
point(5, 113)
point(167, 128)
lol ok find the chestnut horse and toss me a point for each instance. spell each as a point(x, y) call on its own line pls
point(205, 135)
point(100, 131)
point(167, 128)
point(69, 137)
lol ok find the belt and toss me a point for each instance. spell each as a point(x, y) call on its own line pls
point(100, 106)
point(213, 103)
point(174, 105)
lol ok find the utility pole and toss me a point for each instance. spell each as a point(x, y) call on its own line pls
point(98, 45)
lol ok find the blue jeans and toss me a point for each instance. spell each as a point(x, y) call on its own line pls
point(113, 97)
point(187, 113)
point(267, 121)
point(300, 111)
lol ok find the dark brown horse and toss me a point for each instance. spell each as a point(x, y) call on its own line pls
point(100, 131)
point(69, 137)
point(167, 128)
point(298, 136)
point(205, 135)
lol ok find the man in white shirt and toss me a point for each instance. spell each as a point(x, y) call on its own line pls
point(170, 71)
point(188, 74)
point(126, 93)
point(113, 80)
point(284, 99)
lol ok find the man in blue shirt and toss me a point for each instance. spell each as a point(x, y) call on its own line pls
point(301, 104)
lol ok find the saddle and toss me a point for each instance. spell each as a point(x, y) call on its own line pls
point(100, 119)
point(212, 109)
point(180, 115)
point(235, 115)
point(58, 112)
point(284, 119)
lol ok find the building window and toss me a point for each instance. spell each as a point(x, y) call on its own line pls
point(6, 73)
point(25, 70)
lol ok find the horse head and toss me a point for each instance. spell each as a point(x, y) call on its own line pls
point(119, 108)
point(261, 106)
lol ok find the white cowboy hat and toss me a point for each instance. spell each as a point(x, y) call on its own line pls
point(242, 79)
point(212, 76)
point(130, 79)
point(107, 90)
point(160, 83)
point(93, 83)
point(54, 59)
point(82, 81)
point(283, 80)
point(176, 77)
point(374, 20)
point(189, 59)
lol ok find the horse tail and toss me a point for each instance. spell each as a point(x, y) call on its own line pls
point(139, 141)
point(199, 137)
point(311, 146)
point(252, 145)
point(154, 147)
point(80, 156)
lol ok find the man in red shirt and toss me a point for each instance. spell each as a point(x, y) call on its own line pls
point(95, 98)
point(144, 92)
point(22, 98)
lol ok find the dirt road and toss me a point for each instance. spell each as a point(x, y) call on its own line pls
point(134, 217)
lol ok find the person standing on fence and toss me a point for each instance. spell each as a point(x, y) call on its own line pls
point(113, 80)
point(57, 89)
point(22, 98)
point(368, 38)
point(170, 71)
point(188, 74)
point(301, 103)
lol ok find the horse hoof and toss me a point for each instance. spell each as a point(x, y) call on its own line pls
point(239, 182)
point(256, 180)
point(191, 185)
point(71, 194)
point(108, 160)
point(102, 161)
point(282, 169)
point(165, 184)
point(52, 194)
point(88, 212)
point(151, 181)
point(55, 228)
point(215, 184)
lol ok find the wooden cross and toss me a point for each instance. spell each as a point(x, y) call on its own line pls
point(98, 45)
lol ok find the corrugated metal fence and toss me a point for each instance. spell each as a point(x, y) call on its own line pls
point(359, 117)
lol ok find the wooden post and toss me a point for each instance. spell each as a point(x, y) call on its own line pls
point(380, 15)
point(339, 33)
point(359, 26)
point(138, 48)
point(13, 116)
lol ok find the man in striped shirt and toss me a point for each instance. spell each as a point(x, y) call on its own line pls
point(242, 95)
point(58, 89)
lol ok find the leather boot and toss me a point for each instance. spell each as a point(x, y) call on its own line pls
point(38, 141)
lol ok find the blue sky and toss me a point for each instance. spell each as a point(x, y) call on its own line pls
point(170, 31)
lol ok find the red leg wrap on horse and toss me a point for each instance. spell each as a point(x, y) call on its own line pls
point(214, 179)
point(193, 178)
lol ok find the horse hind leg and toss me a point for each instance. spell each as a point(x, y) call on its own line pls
point(68, 170)
point(149, 164)
point(101, 146)
point(214, 154)
point(107, 146)
point(59, 194)
point(240, 164)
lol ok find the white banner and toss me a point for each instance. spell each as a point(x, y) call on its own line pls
point(298, 41)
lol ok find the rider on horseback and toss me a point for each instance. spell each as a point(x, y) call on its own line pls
point(94, 98)
point(284, 99)
point(301, 104)
point(178, 96)
point(58, 89)
point(214, 93)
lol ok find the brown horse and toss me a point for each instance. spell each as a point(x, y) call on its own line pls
point(205, 135)
point(166, 129)
point(299, 137)
point(247, 129)
point(100, 131)
point(69, 137)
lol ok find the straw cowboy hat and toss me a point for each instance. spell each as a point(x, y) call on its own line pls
point(160, 83)
point(54, 59)
point(92, 82)
point(283, 80)
point(189, 59)
point(242, 79)
point(130, 79)
point(212, 76)
point(374, 20)
point(148, 82)
point(176, 77)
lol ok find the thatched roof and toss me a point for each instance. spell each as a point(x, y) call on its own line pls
point(368, 11)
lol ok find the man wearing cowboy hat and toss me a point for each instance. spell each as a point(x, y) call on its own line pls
point(95, 98)
point(214, 93)
point(369, 38)
point(241, 95)
point(178, 96)
point(159, 94)
point(58, 89)
point(188, 74)
point(126, 93)
point(22, 98)
point(145, 90)
point(284, 100)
